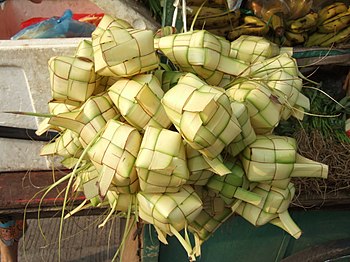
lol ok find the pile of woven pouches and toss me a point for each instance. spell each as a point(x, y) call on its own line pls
point(179, 149)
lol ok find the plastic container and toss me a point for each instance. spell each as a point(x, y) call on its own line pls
point(25, 86)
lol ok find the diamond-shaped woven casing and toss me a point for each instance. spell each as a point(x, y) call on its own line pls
point(263, 108)
point(66, 145)
point(226, 186)
point(108, 21)
point(57, 107)
point(253, 49)
point(282, 76)
point(287, 88)
point(273, 209)
point(274, 160)
point(202, 53)
point(214, 213)
point(269, 158)
point(161, 163)
point(138, 100)
point(121, 202)
point(114, 155)
point(87, 120)
point(72, 78)
point(205, 224)
point(175, 209)
point(276, 200)
point(124, 52)
point(202, 114)
point(84, 49)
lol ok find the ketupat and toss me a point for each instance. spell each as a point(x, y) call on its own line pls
point(72, 78)
point(272, 159)
point(161, 162)
point(114, 154)
point(214, 213)
point(168, 164)
point(171, 213)
point(202, 114)
point(124, 52)
point(253, 49)
point(274, 208)
point(203, 54)
point(264, 111)
point(233, 186)
point(139, 101)
point(87, 120)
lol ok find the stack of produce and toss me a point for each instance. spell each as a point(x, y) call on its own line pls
point(274, 18)
point(296, 23)
point(179, 150)
point(333, 26)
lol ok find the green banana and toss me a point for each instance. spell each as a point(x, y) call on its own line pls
point(210, 18)
point(253, 20)
point(340, 37)
point(304, 24)
point(252, 26)
point(296, 38)
point(247, 30)
point(330, 11)
point(317, 38)
point(336, 23)
point(277, 23)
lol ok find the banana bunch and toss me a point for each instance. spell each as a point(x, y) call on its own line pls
point(252, 25)
point(333, 26)
point(214, 18)
point(298, 29)
point(301, 26)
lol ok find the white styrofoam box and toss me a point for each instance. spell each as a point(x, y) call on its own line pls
point(25, 86)
point(21, 155)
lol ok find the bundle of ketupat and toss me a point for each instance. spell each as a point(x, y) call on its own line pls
point(174, 149)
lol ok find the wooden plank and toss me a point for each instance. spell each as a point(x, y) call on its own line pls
point(20, 190)
point(133, 245)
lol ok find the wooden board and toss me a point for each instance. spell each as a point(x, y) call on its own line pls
point(133, 245)
point(19, 191)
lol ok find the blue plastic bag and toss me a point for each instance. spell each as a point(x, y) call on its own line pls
point(56, 27)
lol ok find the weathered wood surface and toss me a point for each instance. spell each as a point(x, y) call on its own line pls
point(20, 192)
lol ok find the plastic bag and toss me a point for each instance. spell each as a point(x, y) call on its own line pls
point(234, 5)
point(87, 18)
point(57, 27)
